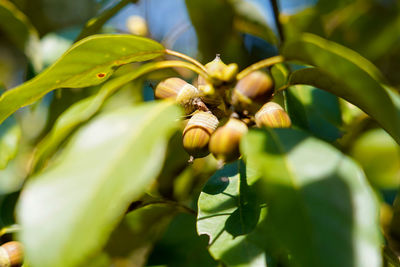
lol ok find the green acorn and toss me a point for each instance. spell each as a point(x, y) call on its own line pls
point(272, 115)
point(252, 91)
point(197, 132)
point(224, 143)
point(221, 73)
point(11, 254)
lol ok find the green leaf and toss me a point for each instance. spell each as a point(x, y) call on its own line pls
point(107, 165)
point(89, 62)
point(379, 155)
point(180, 246)
point(10, 135)
point(95, 24)
point(213, 21)
point(20, 31)
point(228, 213)
point(346, 74)
point(135, 236)
point(307, 20)
point(315, 111)
point(280, 74)
point(320, 206)
point(248, 19)
point(82, 111)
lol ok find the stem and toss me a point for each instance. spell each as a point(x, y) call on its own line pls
point(259, 65)
point(180, 64)
point(275, 8)
point(10, 229)
point(185, 57)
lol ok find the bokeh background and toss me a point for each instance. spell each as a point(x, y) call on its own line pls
point(202, 29)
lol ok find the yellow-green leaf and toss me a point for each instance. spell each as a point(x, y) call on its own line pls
point(70, 209)
point(89, 62)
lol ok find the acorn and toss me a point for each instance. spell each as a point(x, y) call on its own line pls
point(11, 254)
point(224, 143)
point(197, 132)
point(272, 115)
point(221, 73)
point(182, 92)
point(252, 91)
point(217, 69)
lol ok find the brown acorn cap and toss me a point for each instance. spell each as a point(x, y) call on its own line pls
point(272, 115)
point(225, 141)
point(169, 88)
point(197, 132)
point(14, 251)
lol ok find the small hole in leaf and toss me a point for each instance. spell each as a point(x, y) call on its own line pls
point(101, 75)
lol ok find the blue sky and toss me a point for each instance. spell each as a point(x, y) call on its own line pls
point(166, 15)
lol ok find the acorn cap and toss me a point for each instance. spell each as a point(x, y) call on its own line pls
point(225, 141)
point(216, 67)
point(11, 254)
point(220, 71)
point(175, 88)
point(272, 115)
point(197, 132)
point(230, 72)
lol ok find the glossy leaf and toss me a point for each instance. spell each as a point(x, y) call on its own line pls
point(228, 213)
point(280, 75)
point(89, 62)
point(107, 165)
point(346, 74)
point(315, 111)
point(82, 111)
point(320, 206)
point(10, 135)
point(20, 31)
point(94, 25)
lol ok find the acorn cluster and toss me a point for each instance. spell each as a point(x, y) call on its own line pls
point(221, 113)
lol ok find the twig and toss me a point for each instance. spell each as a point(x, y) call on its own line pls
point(275, 9)
point(185, 57)
point(259, 65)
